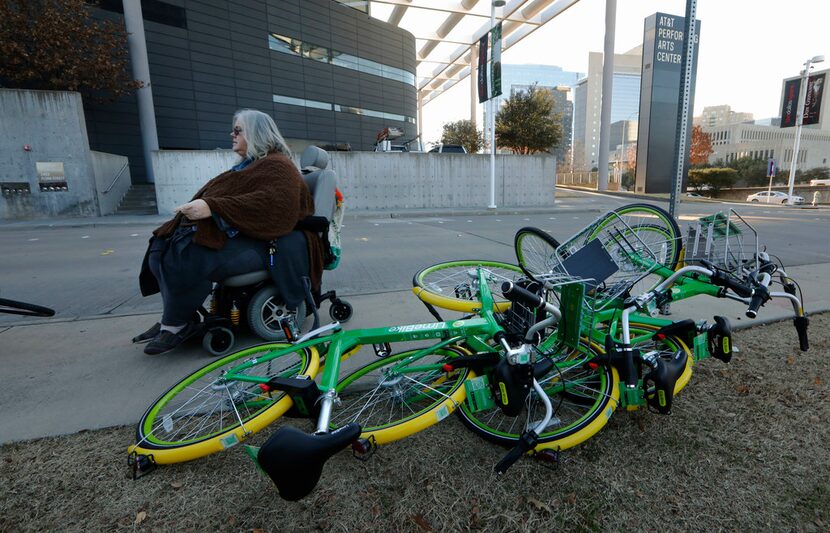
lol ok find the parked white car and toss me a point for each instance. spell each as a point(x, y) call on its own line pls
point(820, 182)
point(773, 197)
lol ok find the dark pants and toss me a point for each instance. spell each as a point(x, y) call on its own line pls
point(185, 271)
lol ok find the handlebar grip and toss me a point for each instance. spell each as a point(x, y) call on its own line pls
point(514, 293)
point(759, 296)
point(723, 279)
point(801, 323)
point(526, 443)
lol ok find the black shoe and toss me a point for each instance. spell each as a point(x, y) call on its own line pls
point(166, 340)
point(148, 335)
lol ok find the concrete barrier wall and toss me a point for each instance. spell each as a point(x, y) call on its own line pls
point(112, 180)
point(51, 124)
point(179, 174)
point(372, 181)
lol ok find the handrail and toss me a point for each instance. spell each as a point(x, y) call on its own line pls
point(120, 172)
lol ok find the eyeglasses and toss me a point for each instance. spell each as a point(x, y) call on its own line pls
point(236, 130)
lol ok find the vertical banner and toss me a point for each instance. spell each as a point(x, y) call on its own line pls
point(812, 100)
point(495, 61)
point(482, 70)
point(790, 105)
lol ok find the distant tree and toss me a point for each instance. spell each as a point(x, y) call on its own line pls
point(463, 132)
point(57, 45)
point(751, 172)
point(713, 179)
point(527, 122)
point(701, 147)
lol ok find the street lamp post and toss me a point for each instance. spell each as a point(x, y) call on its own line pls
point(799, 118)
point(491, 110)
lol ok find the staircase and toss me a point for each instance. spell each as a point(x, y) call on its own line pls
point(139, 200)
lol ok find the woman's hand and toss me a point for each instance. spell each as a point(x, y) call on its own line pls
point(195, 210)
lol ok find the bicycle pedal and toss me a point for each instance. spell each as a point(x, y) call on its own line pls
point(140, 464)
point(364, 449)
point(549, 458)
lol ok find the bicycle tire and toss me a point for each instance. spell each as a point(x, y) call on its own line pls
point(576, 420)
point(196, 436)
point(452, 284)
point(651, 219)
point(392, 405)
point(14, 307)
point(536, 252)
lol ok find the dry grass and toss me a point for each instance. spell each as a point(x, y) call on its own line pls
point(747, 448)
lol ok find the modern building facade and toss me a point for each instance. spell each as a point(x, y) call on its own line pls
point(721, 115)
point(625, 102)
point(734, 139)
point(328, 74)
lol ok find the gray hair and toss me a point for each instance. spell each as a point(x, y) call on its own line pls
point(261, 133)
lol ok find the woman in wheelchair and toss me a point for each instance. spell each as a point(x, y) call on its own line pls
point(240, 221)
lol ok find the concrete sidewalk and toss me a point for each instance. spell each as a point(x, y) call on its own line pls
point(63, 376)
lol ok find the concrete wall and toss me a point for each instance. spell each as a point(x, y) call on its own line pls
point(51, 123)
point(180, 173)
point(112, 180)
point(372, 181)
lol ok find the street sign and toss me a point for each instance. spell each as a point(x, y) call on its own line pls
point(770, 167)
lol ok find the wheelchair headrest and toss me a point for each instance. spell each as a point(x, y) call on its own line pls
point(314, 157)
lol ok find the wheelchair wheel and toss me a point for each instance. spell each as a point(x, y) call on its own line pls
point(218, 341)
point(341, 311)
point(266, 311)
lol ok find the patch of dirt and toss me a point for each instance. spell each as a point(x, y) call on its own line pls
point(746, 448)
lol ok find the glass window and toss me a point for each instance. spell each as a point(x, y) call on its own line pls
point(288, 45)
point(302, 102)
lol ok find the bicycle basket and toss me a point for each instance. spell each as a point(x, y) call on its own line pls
point(725, 240)
point(609, 256)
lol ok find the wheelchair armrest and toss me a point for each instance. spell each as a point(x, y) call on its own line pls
point(313, 223)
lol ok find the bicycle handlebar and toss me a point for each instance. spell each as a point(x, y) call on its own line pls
point(759, 296)
point(514, 293)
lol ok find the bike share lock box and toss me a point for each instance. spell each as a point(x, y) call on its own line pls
point(479, 396)
point(511, 386)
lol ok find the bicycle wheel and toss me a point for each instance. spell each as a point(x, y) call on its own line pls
point(206, 413)
point(583, 399)
point(396, 396)
point(655, 229)
point(536, 252)
point(453, 285)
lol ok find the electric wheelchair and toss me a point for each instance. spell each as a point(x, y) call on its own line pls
point(251, 300)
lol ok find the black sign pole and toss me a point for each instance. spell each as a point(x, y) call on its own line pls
point(690, 33)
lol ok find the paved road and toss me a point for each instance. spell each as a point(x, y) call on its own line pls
point(79, 370)
point(91, 271)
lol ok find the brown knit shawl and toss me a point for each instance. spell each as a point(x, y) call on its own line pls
point(264, 200)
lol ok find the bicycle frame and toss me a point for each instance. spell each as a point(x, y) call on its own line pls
point(341, 344)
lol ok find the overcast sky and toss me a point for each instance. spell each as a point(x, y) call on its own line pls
point(747, 48)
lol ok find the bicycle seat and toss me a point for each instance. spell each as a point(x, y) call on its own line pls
point(294, 460)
